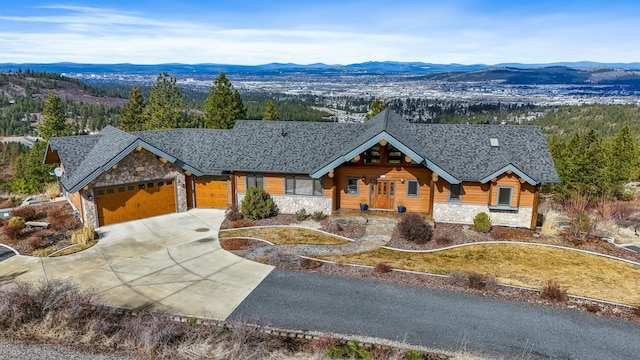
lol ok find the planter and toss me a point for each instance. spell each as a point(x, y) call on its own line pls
point(401, 209)
point(363, 207)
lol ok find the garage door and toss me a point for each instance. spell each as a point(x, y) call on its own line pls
point(211, 192)
point(135, 201)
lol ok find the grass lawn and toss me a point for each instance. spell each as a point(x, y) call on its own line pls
point(523, 265)
point(285, 235)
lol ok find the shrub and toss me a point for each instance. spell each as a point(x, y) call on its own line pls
point(350, 351)
point(636, 311)
point(592, 308)
point(232, 213)
point(445, 240)
point(84, 235)
point(35, 242)
point(52, 190)
point(413, 227)
point(13, 228)
point(26, 212)
point(580, 224)
point(317, 215)
point(381, 268)
point(62, 222)
point(554, 292)
point(481, 281)
point(310, 263)
point(301, 215)
point(258, 204)
point(457, 278)
point(482, 222)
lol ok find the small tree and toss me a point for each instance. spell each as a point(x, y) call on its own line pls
point(482, 222)
point(377, 106)
point(270, 112)
point(258, 204)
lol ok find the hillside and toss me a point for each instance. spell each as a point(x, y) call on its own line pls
point(547, 75)
point(22, 96)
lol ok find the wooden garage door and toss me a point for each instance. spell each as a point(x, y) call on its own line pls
point(211, 192)
point(135, 201)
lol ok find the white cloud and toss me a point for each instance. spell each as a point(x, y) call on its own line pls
point(95, 35)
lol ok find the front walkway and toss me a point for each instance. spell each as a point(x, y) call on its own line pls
point(170, 262)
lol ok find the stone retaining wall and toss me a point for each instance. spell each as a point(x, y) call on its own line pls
point(289, 204)
point(464, 214)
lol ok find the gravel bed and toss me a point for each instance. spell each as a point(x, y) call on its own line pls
point(12, 349)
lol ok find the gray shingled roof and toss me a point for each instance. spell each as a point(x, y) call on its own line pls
point(463, 151)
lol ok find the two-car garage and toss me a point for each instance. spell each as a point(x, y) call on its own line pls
point(140, 200)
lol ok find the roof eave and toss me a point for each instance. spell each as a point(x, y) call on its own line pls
point(512, 168)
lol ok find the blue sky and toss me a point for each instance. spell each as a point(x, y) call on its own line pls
point(329, 31)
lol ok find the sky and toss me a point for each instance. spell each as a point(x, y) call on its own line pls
point(330, 31)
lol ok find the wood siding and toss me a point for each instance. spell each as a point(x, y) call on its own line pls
point(389, 172)
point(477, 193)
point(273, 183)
point(76, 200)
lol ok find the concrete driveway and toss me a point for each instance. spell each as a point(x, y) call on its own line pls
point(171, 262)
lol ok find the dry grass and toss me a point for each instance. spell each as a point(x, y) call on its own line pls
point(522, 265)
point(549, 226)
point(52, 190)
point(76, 248)
point(285, 235)
point(84, 236)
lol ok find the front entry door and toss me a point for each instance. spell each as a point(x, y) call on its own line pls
point(383, 194)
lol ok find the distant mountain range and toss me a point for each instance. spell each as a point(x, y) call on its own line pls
point(510, 73)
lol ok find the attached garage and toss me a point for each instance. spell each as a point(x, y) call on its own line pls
point(127, 202)
point(211, 192)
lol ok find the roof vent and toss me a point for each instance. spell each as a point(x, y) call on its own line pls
point(494, 142)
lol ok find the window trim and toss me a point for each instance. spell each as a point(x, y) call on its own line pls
point(256, 175)
point(346, 190)
point(417, 194)
point(314, 182)
point(459, 199)
point(510, 197)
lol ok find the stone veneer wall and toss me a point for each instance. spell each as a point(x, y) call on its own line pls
point(138, 166)
point(289, 204)
point(464, 214)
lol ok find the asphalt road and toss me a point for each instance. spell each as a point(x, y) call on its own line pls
point(437, 319)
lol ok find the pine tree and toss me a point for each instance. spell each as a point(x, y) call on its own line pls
point(55, 118)
point(270, 112)
point(622, 160)
point(165, 110)
point(377, 106)
point(223, 106)
point(134, 115)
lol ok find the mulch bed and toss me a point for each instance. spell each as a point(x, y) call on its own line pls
point(62, 222)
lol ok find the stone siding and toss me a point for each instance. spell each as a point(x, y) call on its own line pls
point(464, 214)
point(289, 204)
point(136, 167)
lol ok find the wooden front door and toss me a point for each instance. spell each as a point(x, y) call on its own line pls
point(383, 194)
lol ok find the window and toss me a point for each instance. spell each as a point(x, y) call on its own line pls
point(455, 192)
point(121, 189)
point(412, 188)
point(303, 185)
point(504, 196)
point(131, 188)
point(352, 186)
point(255, 180)
point(372, 156)
point(394, 156)
point(150, 185)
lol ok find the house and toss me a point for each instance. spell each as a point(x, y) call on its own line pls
point(450, 173)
